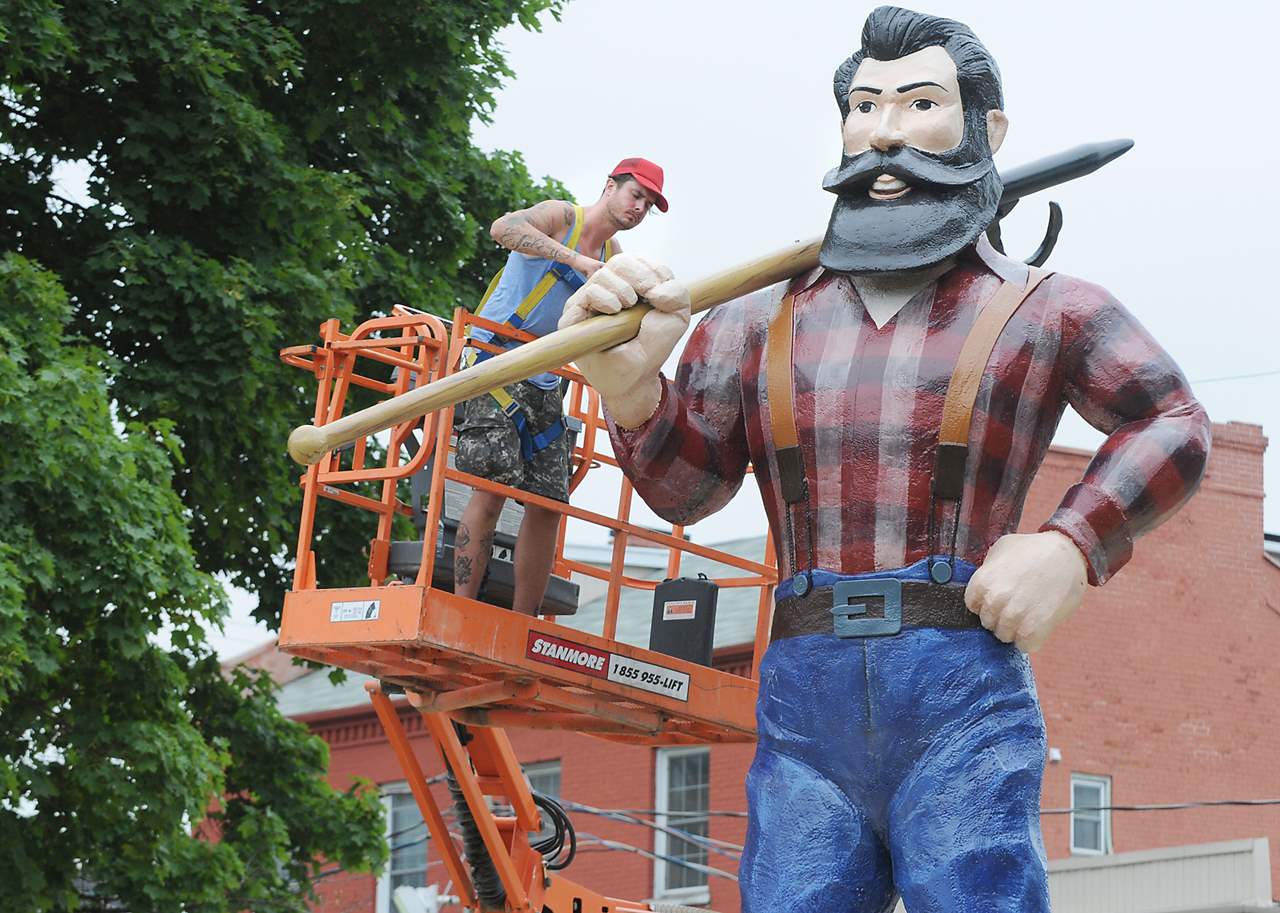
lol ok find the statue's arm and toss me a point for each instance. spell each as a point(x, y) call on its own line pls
point(689, 458)
point(1158, 435)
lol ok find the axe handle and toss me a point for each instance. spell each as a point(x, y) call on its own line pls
point(308, 444)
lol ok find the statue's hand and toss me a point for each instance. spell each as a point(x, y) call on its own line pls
point(626, 376)
point(1028, 585)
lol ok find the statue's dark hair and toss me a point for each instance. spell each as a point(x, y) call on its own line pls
point(891, 32)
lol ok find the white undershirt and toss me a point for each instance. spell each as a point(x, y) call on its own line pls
point(884, 294)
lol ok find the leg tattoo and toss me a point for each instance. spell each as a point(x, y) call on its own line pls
point(461, 562)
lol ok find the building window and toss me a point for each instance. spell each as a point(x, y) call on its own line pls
point(544, 777)
point(407, 838)
point(1090, 821)
point(682, 802)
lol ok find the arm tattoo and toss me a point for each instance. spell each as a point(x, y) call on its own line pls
point(519, 234)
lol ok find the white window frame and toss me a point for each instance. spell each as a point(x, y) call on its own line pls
point(694, 894)
point(1103, 786)
point(383, 892)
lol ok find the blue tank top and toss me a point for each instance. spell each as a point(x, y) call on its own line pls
point(519, 276)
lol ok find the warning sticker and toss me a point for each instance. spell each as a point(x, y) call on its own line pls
point(634, 673)
point(364, 610)
point(679, 609)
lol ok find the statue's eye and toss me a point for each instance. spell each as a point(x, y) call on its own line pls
point(923, 104)
point(865, 107)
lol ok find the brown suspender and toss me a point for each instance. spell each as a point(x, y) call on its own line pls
point(782, 415)
point(780, 381)
point(957, 409)
point(962, 389)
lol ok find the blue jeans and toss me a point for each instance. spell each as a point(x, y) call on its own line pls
point(895, 765)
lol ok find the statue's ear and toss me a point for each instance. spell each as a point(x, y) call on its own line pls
point(997, 127)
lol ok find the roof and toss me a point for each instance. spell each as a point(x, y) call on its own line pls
point(735, 606)
point(315, 693)
point(1271, 547)
point(267, 656)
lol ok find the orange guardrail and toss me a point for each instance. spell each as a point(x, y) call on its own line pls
point(437, 643)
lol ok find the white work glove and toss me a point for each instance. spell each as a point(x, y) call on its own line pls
point(1028, 585)
point(626, 376)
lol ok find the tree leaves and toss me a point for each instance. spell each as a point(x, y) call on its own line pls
point(253, 169)
point(95, 562)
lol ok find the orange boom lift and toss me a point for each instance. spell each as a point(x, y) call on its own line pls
point(472, 668)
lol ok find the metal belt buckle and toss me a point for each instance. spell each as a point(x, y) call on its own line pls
point(849, 600)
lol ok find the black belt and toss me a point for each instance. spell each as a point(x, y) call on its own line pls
point(871, 607)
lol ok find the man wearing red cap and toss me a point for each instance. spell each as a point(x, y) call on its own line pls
point(515, 435)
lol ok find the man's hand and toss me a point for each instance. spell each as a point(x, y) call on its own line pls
point(586, 265)
point(626, 376)
point(1028, 585)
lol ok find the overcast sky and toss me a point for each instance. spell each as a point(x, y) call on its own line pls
point(734, 100)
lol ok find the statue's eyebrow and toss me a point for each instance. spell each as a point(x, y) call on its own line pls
point(867, 89)
point(916, 85)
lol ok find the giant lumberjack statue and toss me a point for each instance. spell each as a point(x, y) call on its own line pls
point(896, 403)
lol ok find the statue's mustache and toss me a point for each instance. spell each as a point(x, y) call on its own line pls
point(857, 172)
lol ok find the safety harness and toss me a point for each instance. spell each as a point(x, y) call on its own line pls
point(953, 436)
point(532, 442)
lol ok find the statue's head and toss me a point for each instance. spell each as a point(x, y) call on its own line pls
point(920, 105)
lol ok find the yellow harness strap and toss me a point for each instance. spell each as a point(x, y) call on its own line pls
point(539, 291)
point(530, 443)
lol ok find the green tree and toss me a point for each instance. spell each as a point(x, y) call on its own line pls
point(253, 169)
point(112, 746)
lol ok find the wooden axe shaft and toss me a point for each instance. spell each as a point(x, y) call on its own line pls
point(308, 444)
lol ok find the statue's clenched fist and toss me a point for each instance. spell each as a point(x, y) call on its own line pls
point(1028, 584)
point(626, 376)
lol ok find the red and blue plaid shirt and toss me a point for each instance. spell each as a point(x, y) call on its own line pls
point(869, 405)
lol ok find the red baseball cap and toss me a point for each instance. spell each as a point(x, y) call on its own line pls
point(646, 174)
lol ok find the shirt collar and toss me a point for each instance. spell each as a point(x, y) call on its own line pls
point(1006, 268)
point(805, 280)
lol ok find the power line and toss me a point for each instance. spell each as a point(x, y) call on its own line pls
point(732, 850)
point(714, 813)
point(592, 842)
point(1153, 807)
point(1213, 380)
point(1160, 807)
point(722, 847)
point(588, 840)
point(591, 839)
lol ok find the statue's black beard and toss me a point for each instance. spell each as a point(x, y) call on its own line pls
point(952, 200)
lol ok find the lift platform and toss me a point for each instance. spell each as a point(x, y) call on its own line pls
point(465, 662)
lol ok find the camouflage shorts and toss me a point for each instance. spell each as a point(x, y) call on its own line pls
point(489, 445)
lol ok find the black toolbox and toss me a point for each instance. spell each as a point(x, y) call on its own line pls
point(684, 618)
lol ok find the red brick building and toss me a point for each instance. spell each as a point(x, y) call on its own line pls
point(1162, 689)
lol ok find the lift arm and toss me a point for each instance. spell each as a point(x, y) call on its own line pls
point(486, 766)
